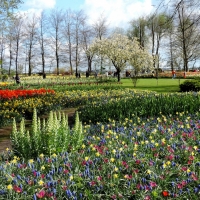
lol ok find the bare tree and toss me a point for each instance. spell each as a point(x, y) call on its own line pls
point(158, 25)
point(56, 21)
point(87, 38)
point(138, 30)
point(188, 37)
point(100, 28)
point(17, 34)
point(2, 48)
point(67, 32)
point(31, 26)
point(78, 22)
point(42, 29)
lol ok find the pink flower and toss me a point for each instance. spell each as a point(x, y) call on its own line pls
point(147, 198)
point(171, 157)
point(124, 163)
point(17, 189)
point(92, 183)
point(99, 178)
point(180, 186)
point(137, 161)
point(184, 183)
point(34, 173)
point(184, 168)
point(150, 163)
point(64, 187)
point(114, 197)
point(156, 155)
point(136, 171)
point(42, 176)
point(152, 184)
point(194, 177)
point(65, 171)
point(41, 194)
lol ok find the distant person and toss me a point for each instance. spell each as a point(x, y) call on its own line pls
point(173, 74)
point(184, 74)
point(87, 74)
point(44, 75)
point(95, 74)
point(17, 78)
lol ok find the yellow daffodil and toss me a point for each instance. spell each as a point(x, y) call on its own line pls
point(54, 155)
point(43, 167)
point(115, 175)
point(116, 169)
point(41, 182)
point(112, 160)
point(86, 158)
point(41, 155)
point(31, 161)
point(9, 187)
point(97, 154)
point(14, 161)
point(113, 151)
point(195, 147)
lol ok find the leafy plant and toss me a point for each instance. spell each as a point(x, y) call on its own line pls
point(190, 85)
point(47, 138)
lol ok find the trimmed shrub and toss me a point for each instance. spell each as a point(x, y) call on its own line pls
point(190, 85)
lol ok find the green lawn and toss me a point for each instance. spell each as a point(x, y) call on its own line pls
point(152, 84)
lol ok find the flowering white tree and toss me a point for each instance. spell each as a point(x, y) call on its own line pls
point(140, 60)
point(121, 51)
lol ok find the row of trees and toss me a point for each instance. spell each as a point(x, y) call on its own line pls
point(65, 39)
point(60, 39)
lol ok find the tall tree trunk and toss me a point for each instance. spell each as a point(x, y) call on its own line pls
point(89, 63)
point(57, 57)
point(16, 58)
point(29, 63)
point(171, 54)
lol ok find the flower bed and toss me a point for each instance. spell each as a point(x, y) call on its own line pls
point(179, 74)
point(11, 94)
point(46, 100)
point(151, 158)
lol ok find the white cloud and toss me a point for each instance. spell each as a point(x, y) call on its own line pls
point(40, 4)
point(32, 11)
point(117, 12)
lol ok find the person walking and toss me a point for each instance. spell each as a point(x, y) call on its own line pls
point(17, 78)
point(173, 74)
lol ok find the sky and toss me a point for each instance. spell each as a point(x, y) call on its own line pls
point(117, 12)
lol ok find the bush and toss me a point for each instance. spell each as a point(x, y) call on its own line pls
point(4, 77)
point(190, 85)
point(51, 136)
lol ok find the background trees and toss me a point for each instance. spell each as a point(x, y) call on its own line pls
point(63, 39)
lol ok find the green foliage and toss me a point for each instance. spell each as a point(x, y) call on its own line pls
point(141, 105)
point(53, 136)
point(190, 85)
point(4, 77)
